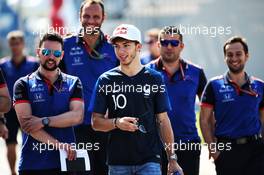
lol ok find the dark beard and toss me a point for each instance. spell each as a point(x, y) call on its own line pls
point(236, 71)
point(44, 65)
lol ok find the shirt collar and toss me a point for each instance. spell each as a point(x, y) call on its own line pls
point(39, 76)
point(182, 68)
point(227, 79)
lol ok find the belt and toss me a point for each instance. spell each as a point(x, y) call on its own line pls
point(241, 140)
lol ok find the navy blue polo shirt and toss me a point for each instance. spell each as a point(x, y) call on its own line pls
point(46, 100)
point(78, 62)
point(13, 72)
point(183, 87)
point(141, 96)
point(236, 109)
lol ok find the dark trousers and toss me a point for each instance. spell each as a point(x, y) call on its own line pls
point(242, 159)
point(95, 143)
point(189, 160)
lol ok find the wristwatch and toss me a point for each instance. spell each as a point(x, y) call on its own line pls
point(3, 120)
point(45, 121)
point(173, 157)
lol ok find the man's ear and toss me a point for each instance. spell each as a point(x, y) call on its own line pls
point(247, 56)
point(104, 17)
point(62, 54)
point(182, 45)
point(37, 51)
point(139, 46)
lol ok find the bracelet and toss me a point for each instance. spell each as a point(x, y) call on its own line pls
point(115, 122)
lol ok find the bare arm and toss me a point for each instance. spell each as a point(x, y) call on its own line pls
point(67, 119)
point(207, 128)
point(71, 118)
point(101, 123)
point(167, 138)
point(5, 101)
point(23, 111)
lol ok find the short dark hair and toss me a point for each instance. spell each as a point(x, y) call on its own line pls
point(170, 30)
point(236, 39)
point(100, 2)
point(51, 37)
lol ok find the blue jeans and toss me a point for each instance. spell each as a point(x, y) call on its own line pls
point(149, 168)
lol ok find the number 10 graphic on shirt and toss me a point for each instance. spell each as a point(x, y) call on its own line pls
point(120, 101)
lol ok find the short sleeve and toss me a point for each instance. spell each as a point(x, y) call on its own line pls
point(20, 92)
point(202, 83)
point(77, 91)
point(98, 101)
point(161, 99)
point(208, 97)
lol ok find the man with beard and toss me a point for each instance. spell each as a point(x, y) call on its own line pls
point(48, 104)
point(135, 118)
point(14, 67)
point(237, 101)
point(184, 82)
point(87, 56)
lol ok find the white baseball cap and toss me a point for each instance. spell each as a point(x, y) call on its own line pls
point(126, 31)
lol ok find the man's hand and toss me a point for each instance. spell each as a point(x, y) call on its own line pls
point(127, 124)
point(31, 124)
point(71, 152)
point(173, 167)
point(214, 154)
point(3, 131)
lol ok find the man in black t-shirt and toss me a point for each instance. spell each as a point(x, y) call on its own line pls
point(137, 104)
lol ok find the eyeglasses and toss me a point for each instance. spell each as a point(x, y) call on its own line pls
point(48, 52)
point(173, 43)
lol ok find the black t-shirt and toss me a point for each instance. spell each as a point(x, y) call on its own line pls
point(141, 96)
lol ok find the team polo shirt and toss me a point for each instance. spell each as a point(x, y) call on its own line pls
point(13, 72)
point(2, 79)
point(183, 87)
point(141, 96)
point(236, 109)
point(46, 100)
point(78, 62)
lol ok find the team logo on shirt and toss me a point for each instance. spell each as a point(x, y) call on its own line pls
point(226, 88)
point(38, 97)
point(76, 51)
point(227, 97)
point(77, 61)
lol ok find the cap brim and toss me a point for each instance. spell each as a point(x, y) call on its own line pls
point(123, 37)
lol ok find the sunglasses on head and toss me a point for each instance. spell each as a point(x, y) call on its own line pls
point(48, 52)
point(173, 43)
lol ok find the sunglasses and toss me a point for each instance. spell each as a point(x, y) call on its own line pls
point(48, 52)
point(173, 43)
